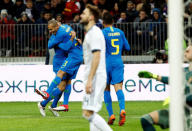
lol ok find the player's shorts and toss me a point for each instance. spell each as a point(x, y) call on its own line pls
point(163, 118)
point(70, 66)
point(115, 73)
point(57, 64)
point(93, 101)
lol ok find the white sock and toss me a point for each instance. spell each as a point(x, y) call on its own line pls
point(93, 127)
point(99, 123)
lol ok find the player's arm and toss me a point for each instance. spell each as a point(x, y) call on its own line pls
point(94, 65)
point(126, 45)
point(147, 74)
point(67, 45)
point(95, 45)
point(56, 40)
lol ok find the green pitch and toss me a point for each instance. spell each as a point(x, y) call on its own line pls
point(25, 116)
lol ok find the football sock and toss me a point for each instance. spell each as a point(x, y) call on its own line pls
point(147, 125)
point(55, 92)
point(67, 93)
point(121, 99)
point(99, 122)
point(54, 84)
point(55, 101)
point(108, 102)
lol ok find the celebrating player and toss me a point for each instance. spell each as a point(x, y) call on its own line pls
point(64, 44)
point(115, 43)
point(161, 117)
point(95, 70)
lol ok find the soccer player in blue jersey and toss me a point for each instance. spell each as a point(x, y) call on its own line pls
point(66, 69)
point(115, 43)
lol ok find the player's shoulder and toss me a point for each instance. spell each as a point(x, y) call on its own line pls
point(95, 31)
point(118, 30)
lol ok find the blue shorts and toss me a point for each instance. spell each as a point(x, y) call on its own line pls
point(57, 64)
point(115, 73)
point(70, 66)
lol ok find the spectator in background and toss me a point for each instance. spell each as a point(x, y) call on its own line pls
point(46, 17)
point(160, 57)
point(24, 31)
point(76, 26)
point(94, 2)
point(71, 7)
point(57, 7)
point(141, 32)
point(59, 18)
point(104, 4)
point(8, 5)
point(131, 11)
point(144, 5)
point(47, 7)
point(32, 11)
point(157, 29)
point(24, 19)
point(83, 3)
point(18, 8)
point(123, 18)
point(7, 33)
point(115, 12)
point(76, 18)
point(165, 8)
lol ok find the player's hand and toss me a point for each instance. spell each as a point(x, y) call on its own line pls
point(73, 35)
point(88, 87)
point(146, 74)
point(79, 41)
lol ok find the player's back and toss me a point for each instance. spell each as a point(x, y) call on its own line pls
point(115, 43)
point(74, 48)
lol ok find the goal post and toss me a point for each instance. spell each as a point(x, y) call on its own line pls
point(175, 34)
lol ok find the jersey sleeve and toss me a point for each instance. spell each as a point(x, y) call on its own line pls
point(66, 45)
point(95, 42)
point(56, 40)
point(126, 45)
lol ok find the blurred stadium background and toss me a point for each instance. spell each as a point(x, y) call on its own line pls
point(25, 43)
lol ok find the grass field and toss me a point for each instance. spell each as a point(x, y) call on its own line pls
point(25, 116)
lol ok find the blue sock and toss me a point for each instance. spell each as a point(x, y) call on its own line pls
point(67, 93)
point(55, 101)
point(54, 84)
point(108, 102)
point(54, 94)
point(121, 99)
point(44, 103)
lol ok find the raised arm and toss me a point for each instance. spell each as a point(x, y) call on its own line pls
point(55, 40)
point(147, 74)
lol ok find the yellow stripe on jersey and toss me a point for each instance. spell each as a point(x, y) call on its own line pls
point(111, 29)
point(67, 30)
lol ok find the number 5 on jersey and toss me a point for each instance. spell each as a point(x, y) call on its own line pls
point(115, 46)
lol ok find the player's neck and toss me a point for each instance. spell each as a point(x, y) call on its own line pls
point(89, 25)
point(108, 26)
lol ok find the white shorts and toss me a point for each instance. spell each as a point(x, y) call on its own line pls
point(93, 101)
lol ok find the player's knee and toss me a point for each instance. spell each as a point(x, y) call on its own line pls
point(146, 120)
point(61, 73)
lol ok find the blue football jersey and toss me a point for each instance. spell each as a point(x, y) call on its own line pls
point(115, 43)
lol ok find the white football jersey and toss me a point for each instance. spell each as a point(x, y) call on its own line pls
point(94, 40)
